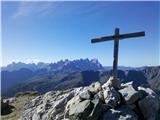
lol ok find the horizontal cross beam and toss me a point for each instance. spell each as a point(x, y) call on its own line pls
point(121, 36)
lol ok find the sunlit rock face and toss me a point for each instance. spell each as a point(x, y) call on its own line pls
point(95, 102)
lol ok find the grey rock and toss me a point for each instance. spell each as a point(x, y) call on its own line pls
point(113, 82)
point(158, 115)
point(99, 95)
point(76, 103)
point(5, 107)
point(95, 87)
point(129, 94)
point(79, 90)
point(152, 99)
point(81, 110)
point(149, 107)
point(75, 100)
point(89, 103)
point(96, 111)
point(126, 84)
point(147, 91)
point(34, 102)
point(10, 100)
point(105, 107)
point(49, 106)
point(133, 107)
point(85, 95)
point(111, 97)
point(121, 113)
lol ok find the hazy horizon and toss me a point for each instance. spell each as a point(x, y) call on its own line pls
point(51, 31)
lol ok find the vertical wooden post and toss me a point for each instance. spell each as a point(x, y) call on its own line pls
point(116, 37)
point(115, 61)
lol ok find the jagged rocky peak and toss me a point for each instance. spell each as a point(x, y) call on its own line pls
point(109, 101)
point(81, 64)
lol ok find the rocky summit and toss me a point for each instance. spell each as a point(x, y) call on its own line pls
point(110, 101)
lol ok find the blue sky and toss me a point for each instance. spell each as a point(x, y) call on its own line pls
point(51, 31)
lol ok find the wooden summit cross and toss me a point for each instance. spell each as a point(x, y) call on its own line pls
point(116, 38)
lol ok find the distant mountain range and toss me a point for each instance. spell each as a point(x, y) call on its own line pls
point(79, 64)
point(43, 77)
point(18, 72)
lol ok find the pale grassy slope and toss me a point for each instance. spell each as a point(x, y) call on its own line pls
point(19, 106)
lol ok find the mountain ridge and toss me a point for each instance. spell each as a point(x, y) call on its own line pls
point(60, 81)
point(52, 66)
point(42, 65)
point(59, 75)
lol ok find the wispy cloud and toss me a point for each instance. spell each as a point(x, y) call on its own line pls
point(43, 8)
point(40, 8)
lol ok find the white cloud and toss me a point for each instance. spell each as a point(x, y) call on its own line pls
point(27, 8)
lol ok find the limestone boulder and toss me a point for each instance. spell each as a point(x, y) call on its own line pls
point(113, 82)
point(105, 107)
point(86, 110)
point(99, 95)
point(80, 90)
point(129, 94)
point(86, 95)
point(81, 110)
point(147, 91)
point(10, 100)
point(75, 100)
point(6, 108)
point(149, 105)
point(95, 102)
point(111, 96)
point(49, 106)
point(96, 111)
point(121, 113)
point(95, 87)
